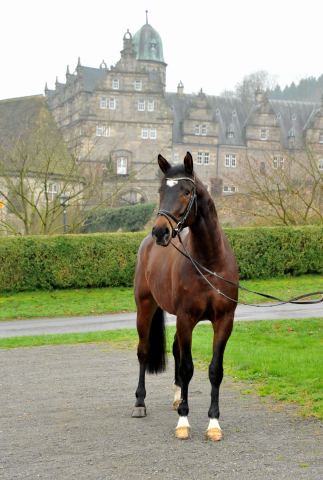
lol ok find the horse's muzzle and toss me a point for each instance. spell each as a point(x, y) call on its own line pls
point(162, 235)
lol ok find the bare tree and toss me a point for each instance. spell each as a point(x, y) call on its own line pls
point(283, 187)
point(36, 168)
point(259, 80)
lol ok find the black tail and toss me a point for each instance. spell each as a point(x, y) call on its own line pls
point(157, 343)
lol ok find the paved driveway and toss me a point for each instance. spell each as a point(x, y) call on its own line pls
point(128, 320)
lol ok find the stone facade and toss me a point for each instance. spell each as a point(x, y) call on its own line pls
point(123, 117)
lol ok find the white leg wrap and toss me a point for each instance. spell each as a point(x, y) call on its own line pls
point(177, 391)
point(213, 424)
point(183, 422)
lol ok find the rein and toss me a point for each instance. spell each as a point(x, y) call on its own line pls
point(176, 232)
point(281, 302)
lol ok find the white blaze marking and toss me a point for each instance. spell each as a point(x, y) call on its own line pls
point(183, 422)
point(171, 183)
point(177, 391)
point(213, 424)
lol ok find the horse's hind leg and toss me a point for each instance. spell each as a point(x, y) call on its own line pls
point(177, 385)
point(221, 334)
point(145, 313)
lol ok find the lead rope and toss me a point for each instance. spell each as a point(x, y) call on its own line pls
point(281, 302)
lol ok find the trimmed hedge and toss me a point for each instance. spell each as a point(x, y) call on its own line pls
point(108, 259)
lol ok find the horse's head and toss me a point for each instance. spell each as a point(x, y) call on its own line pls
point(177, 207)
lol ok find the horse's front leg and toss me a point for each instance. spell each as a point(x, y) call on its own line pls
point(144, 317)
point(185, 373)
point(177, 385)
point(221, 334)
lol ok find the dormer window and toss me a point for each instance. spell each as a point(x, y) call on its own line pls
point(153, 47)
point(230, 131)
point(291, 134)
point(234, 113)
point(293, 116)
point(278, 115)
point(217, 112)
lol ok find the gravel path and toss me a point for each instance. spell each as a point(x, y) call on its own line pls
point(66, 414)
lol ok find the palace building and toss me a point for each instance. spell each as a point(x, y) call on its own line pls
point(123, 117)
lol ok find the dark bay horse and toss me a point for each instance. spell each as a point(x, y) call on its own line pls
point(167, 281)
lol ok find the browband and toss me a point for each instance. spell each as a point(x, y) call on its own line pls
point(182, 178)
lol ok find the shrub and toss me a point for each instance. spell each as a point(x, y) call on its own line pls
point(108, 259)
point(128, 219)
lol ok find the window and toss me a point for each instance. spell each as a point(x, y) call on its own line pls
point(291, 134)
point(228, 189)
point(321, 138)
point(52, 191)
point(199, 158)
point(278, 162)
point(203, 129)
point(103, 102)
point(138, 85)
point(151, 105)
point(230, 160)
point(230, 131)
point(122, 164)
point(175, 156)
point(115, 84)
point(263, 135)
point(217, 112)
point(144, 132)
point(112, 103)
point(278, 115)
point(320, 164)
point(141, 105)
point(234, 113)
point(206, 158)
point(197, 129)
point(262, 167)
point(293, 116)
point(153, 133)
point(99, 130)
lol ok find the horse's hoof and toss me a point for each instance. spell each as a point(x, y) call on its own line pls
point(176, 404)
point(183, 432)
point(214, 434)
point(139, 412)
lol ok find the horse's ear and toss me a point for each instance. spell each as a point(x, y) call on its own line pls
point(163, 164)
point(188, 162)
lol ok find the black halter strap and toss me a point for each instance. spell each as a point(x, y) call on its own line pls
point(169, 215)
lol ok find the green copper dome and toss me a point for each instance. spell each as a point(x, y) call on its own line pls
point(148, 44)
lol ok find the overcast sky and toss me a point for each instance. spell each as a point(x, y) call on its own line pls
point(209, 45)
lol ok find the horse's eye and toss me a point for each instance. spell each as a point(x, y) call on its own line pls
point(186, 192)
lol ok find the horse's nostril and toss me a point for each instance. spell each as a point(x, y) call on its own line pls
point(166, 231)
point(153, 232)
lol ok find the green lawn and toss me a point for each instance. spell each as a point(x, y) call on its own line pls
point(282, 359)
point(98, 301)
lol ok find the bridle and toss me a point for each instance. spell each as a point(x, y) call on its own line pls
point(180, 223)
point(176, 232)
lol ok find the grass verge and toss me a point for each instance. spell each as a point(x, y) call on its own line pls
point(282, 359)
point(99, 301)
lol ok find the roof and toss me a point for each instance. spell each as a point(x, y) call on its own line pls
point(235, 113)
point(28, 128)
point(148, 44)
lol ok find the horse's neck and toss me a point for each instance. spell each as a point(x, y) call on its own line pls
point(206, 237)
